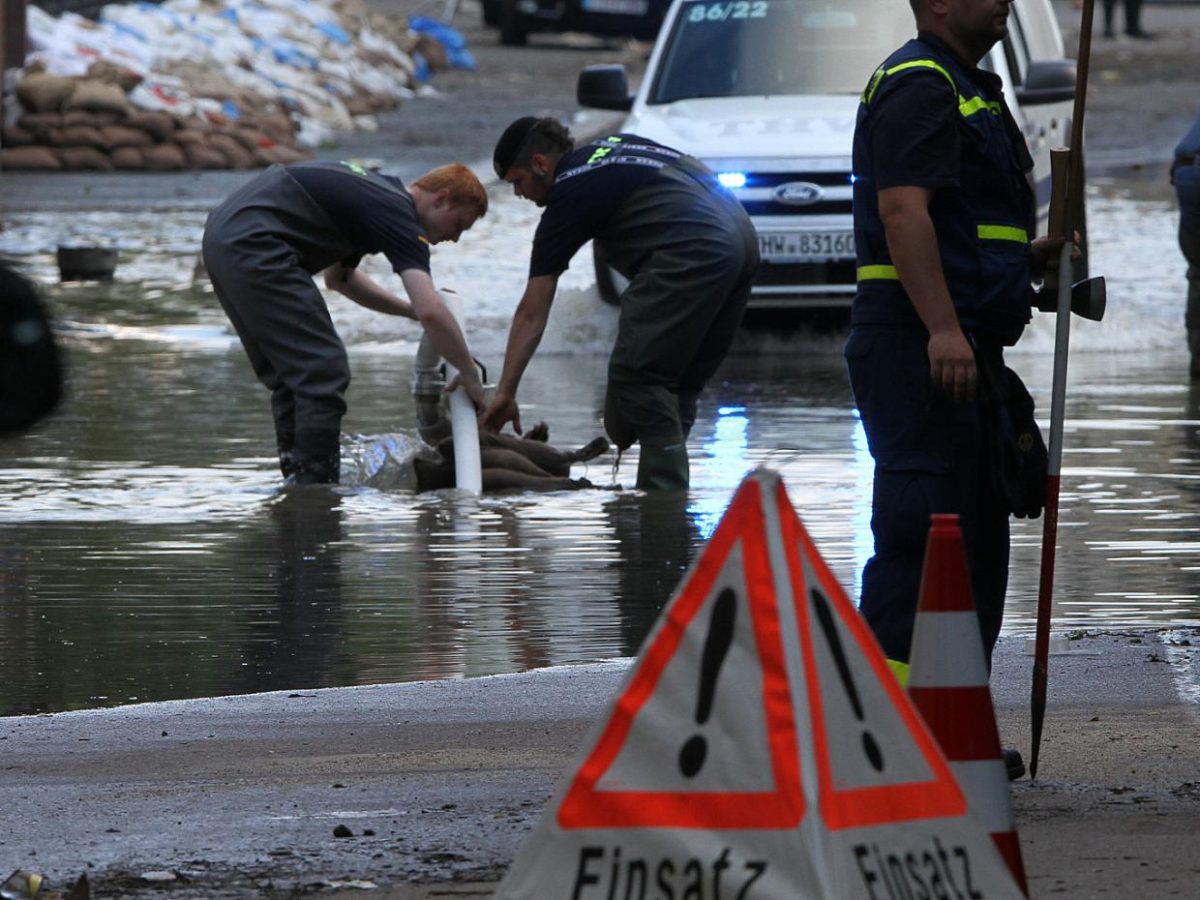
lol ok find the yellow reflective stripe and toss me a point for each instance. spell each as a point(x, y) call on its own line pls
point(868, 273)
point(966, 107)
point(1003, 233)
point(975, 104)
point(912, 64)
point(900, 670)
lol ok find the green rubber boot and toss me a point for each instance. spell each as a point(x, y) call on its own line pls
point(663, 468)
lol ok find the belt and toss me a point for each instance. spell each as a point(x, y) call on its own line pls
point(1188, 159)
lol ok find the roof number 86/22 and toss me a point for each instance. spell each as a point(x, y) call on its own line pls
point(737, 9)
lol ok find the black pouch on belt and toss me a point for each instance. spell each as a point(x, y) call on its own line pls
point(1017, 457)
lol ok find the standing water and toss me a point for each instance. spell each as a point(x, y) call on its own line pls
point(148, 553)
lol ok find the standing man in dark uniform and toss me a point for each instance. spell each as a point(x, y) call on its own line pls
point(263, 246)
point(943, 213)
point(688, 250)
point(1185, 176)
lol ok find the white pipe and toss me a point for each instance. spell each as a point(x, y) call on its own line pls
point(468, 471)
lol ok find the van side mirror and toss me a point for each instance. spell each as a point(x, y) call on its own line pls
point(604, 87)
point(1048, 81)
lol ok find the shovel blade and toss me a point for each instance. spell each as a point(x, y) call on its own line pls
point(1089, 299)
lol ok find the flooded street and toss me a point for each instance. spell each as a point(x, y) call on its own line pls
point(147, 552)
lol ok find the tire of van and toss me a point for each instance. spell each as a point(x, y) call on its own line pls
point(511, 32)
point(609, 283)
point(491, 13)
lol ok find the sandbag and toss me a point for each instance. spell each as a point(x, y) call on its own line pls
point(164, 158)
point(77, 136)
point(40, 125)
point(115, 136)
point(84, 159)
point(42, 92)
point(16, 136)
point(186, 136)
point(30, 159)
point(248, 137)
point(159, 125)
point(127, 158)
point(99, 96)
point(235, 154)
point(111, 73)
point(281, 154)
point(202, 156)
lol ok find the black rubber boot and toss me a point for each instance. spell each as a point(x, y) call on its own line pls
point(315, 458)
point(663, 468)
point(1194, 348)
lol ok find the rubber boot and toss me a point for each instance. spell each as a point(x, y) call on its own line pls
point(663, 468)
point(316, 457)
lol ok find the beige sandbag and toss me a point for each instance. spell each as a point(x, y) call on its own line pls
point(40, 125)
point(111, 73)
point(281, 154)
point(185, 136)
point(434, 52)
point(164, 158)
point(84, 117)
point(42, 92)
point(31, 159)
point(77, 136)
point(99, 96)
point(235, 154)
point(202, 156)
point(250, 138)
point(15, 136)
point(159, 125)
point(279, 127)
point(84, 159)
point(115, 136)
point(126, 158)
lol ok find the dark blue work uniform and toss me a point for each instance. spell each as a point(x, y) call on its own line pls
point(1185, 175)
point(690, 253)
point(929, 119)
point(262, 247)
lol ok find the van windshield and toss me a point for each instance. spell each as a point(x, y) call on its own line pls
point(755, 48)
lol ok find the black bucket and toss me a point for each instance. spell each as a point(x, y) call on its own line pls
point(86, 263)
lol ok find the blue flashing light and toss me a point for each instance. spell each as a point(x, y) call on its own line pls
point(732, 179)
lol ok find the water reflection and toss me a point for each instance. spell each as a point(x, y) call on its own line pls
point(296, 637)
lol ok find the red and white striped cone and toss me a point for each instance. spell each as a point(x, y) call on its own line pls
point(948, 682)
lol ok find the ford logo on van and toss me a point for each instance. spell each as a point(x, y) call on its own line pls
point(798, 193)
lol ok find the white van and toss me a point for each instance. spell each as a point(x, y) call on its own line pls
point(766, 93)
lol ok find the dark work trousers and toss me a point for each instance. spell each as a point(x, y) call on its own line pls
point(678, 319)
point(1133, 16)
point(1187, 189)
point(279, 314)
point(929, 458)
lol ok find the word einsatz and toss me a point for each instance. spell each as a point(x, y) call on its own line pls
point(603, 874)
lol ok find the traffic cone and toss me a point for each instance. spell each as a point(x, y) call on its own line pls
point(948, 682)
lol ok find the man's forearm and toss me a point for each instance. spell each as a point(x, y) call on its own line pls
point(912, 243)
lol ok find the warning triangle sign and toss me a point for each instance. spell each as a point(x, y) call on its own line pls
point(725, 616)
point(759, 748)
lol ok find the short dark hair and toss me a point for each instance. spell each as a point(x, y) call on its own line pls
point(529, 135)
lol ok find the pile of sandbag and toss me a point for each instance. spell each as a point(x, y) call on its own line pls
point(90, 123)
point(193, 84)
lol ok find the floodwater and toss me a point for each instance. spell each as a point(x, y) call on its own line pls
point(147, 553)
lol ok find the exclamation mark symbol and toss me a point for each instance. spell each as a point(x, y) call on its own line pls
point(716, 647)
point(825, 616)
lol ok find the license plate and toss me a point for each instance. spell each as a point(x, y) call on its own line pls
point(804, 246)
point(617, 7)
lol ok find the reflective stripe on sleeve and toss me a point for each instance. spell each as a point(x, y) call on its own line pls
point(1003, 233)
point(875, 273)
